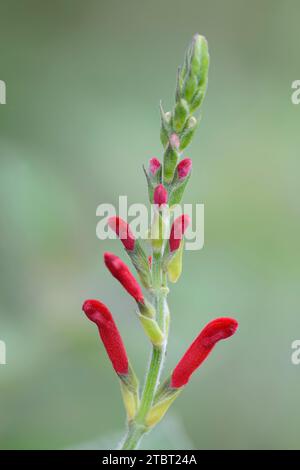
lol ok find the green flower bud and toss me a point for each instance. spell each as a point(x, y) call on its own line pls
point(177, 192)
point(204, 61)
point(174, 267)
point(152, 330)
point(193, 77)
point(166, 119)
point(197, 100)
point(190, 87)
point(199, 55)
point(140, 262)
point(170, 162)
point(181, 114)
point(188, 132)
point(179, 83)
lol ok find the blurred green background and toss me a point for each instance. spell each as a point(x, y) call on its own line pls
point(84, 79)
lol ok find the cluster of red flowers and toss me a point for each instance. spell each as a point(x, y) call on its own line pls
point(220, 328)
point(97, 312)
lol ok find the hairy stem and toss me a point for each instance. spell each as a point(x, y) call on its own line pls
point(137, 428)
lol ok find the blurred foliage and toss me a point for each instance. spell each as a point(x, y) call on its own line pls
point(84, 80)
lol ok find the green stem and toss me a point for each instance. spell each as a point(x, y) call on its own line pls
point(137, 428)
point(151, 383)
point(133, 436)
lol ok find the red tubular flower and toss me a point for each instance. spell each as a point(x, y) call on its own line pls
point(184, 168)
point(121, 272)
point(177, 231)
point(98, 313)
point(123, 231)
point(160, 195)
point(154, 166)
point(220, 328)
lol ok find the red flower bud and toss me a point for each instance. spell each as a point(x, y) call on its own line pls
point(160, 195)
point(98, 313)
point(184, 168)
point(123, 231)
point(174, 141)
point(177, 231)
point(154, 166)
point(150, 261)
point(121, 272)
point(214, 331)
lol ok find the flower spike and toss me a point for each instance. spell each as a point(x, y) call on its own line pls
point(159, 261)
point(213, 332)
